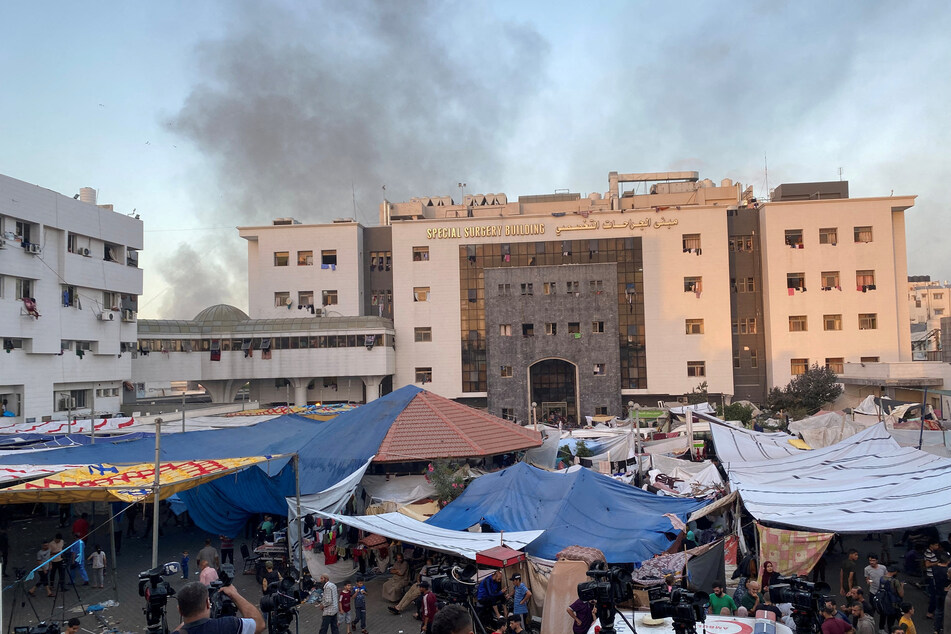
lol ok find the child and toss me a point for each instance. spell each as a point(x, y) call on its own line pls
point(346, 616)
point(98, 559)
point(184, 564)
point(360, 605)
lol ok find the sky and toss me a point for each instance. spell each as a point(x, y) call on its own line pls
point(204, 116)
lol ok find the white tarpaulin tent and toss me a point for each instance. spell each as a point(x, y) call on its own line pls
point(734, 444)
point(463, 543)
point(825, 429)
point(867, 482)
point(398, 489)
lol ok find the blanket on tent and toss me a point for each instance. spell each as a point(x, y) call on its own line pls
point(625, 523)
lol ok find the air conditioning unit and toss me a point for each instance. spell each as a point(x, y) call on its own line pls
point(106, 316)
point(128, 315)
point(85, 252)
point(34, 249)
point(318, 312)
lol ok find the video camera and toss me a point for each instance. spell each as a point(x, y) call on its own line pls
point(221, 603)
point(609, 587)
point(805, 596)
point(681, 606)
point(156, 591)
point(456, 583)
point(46, 627)
point(281, 605)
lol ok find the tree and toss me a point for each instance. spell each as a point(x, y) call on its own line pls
point(807, 392)
point(736, 411)
point(698, 395)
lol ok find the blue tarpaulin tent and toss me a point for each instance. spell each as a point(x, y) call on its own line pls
point(329, 451)
point(580, 507)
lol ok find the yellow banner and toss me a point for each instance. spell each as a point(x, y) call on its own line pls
point(110, 483)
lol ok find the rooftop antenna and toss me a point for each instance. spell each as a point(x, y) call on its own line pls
point(766, 176)
point(840, 173)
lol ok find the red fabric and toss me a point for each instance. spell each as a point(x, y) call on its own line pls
point(330, 554)
point(428, 610)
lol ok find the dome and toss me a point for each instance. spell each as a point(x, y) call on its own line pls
point(221, 312)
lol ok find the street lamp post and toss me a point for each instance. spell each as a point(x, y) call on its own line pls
point(535, 415)
point(636, 408)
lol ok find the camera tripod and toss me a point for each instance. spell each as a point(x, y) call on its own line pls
point(61, 592)
point(21, 596)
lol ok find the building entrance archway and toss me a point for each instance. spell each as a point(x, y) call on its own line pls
point(553, 385)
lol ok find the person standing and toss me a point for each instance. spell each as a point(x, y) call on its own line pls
point(272, 578)
point(582, 615)
point(209, 554)
point(98, 560)
point(907, 621)
point(227, 549)
point(330, 601)
point(42, 560)
point(721, 603)
point(78, 560)
point(427, 607)
point(935, 555)
point(360, 605)
point(58, 565)
point(81, 527)
point(206, 574)
point(346, 602)
point(833, 625)
point(864, 624)
point(520, 596)
point(891, 593)
point(847, 576)
point(874, 572)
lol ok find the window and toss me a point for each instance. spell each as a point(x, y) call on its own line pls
point(528, 330)
point(573, 287)
point(23, 230)
point(574, 328)
point(305, 298)
point(71, 399)
point(305, 258)
point(111, 252)
point(110, 300)
point(862, 234)
point(798, 323)
point(696, 368)
point(506, 372)
point(748, 326)
point(865, 280)
point(603, 411)
point(829, 280)
point(596, 286)
point(424, 375)
point(741, 243)
point(798, 366)
point(420, 254)
point(868, 321)
point(832, 322)
point(328, 298)
point(282, 299)
point(694, 326)
point(836, 364)
point(691, 242)
point(754, 359)
point(328, 258)
point(829, 235)
point(508, 413)
point(10, 343)
point(72, 243)
point(597, 327)
point(505, 330)
point(693, 284)
point(420, 293)
point(796, 281)
point(551, 329)
point(937, 296)
point(380, 260)
point(505, 290)
point(736, 359)
point(747, 285)
point(281, 258)
point(938, 311)
point(549, 288)
point(24, 288)
point(598, 369)
point(423, 334)
point(69, 295)
point(869, 359)
point(528, 288)
point(794, 238)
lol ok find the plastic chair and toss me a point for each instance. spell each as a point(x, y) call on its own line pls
point(250, 561)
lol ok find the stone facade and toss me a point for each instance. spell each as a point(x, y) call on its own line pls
point(584, 349)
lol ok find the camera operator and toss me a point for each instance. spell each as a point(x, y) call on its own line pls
point(490, 593)
point(195, 608)
point(452, 619)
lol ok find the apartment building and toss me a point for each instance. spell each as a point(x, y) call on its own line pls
point(69, 288)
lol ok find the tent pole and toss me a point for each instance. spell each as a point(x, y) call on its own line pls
point(921, 434)
point(155, 490)
point(112, 547)
point(300, 530)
